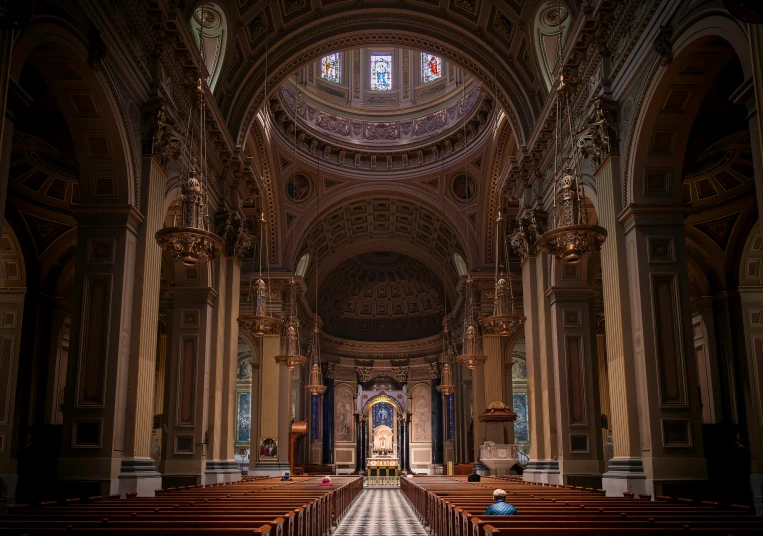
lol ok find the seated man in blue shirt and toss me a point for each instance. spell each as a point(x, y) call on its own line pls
point(500, 507)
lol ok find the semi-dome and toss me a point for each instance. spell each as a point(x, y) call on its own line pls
point(381, 296)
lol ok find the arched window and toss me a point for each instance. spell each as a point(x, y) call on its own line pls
point(460, 264)
point(210, 22)
point(431, 67)
point(331, 67)
point(302, 264)
point(381, 72)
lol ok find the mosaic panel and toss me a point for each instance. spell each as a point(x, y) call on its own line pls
point(521, 431)
point(243, 417)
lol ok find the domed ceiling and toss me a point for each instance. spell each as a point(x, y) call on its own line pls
point(381, 296)
point(346, 117)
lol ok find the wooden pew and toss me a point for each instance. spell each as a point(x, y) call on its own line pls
point(451, 506)
point(255, 505)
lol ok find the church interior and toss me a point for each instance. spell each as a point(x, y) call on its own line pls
point(357, 266)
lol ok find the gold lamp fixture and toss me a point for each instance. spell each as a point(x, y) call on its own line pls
point(292, 355)
point(505, 320)
point(447, 386)
point(189, 240)
point(259, 323)
point(315, 385)
point(572, 236)
point(471, 354)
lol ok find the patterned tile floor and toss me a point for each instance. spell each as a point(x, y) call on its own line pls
point(380, 512)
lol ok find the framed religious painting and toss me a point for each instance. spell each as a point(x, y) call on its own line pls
point(268, 450)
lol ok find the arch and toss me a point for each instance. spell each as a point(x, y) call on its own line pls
point(381, 398)
point(345, 30)
point(751, 265)
point(215, 32)
point(657, 137)
point(546, 35)
point(460, 264)
point(104, 123)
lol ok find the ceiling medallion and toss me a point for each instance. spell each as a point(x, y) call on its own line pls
point(206, 17)
point(189, 239)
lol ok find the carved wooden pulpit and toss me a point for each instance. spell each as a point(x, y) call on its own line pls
point(298, 429)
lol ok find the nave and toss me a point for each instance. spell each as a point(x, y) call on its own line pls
point(424, 505)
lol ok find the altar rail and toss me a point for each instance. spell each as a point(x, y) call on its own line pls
point(268, 507)
point(451, 506)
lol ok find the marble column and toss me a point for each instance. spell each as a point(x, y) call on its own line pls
point(328, 419)
point(665, 379)
point(185, 446)
point(578, 413)
point(138, 472)
point(436, 423)
point(95, 402)
point(541, 402)
point(256, 402)
point(363, 441)
point(270, 400)
point(625, 470)
point(221, 465)
point(494, 388)
point(358, 444)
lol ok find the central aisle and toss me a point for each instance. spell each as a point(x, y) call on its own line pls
point(380, 512)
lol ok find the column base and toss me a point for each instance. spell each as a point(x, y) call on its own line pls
point(218, 471)
point(139, 475)
point(756, 486)
point(542, 472)
point(271, 469)
point(625, 475)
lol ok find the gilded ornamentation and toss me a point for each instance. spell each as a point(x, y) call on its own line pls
point(400, 374)
point(363, 373)
point(525, 238)
point(434, 370)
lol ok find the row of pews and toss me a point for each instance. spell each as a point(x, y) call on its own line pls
point(451, 506)
point(263, 506)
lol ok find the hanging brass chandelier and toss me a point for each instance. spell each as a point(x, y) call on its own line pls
point(447, 386)
point(258, 322)
point(189, 239)
point(315, 385)
point(471, 352)
point(292, 355)
point(571, 236)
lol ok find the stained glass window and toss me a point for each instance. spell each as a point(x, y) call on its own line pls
point(381, 72)
point(383, 413)
point(331, 67)
point(431, 67)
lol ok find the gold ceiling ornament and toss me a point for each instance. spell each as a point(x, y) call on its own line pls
point(292, 355)
point(571, 235)
point(189, 239)
point(504, 321)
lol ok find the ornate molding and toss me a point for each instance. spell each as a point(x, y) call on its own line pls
point(529, 228)
point(364, 373)
point(400, 374)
